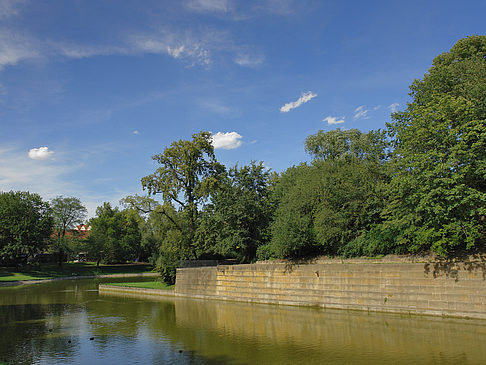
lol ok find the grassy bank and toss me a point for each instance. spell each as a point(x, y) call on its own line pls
point(51, 271)
point(145, 285)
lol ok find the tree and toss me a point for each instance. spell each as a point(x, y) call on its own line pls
point(144, 205)
point(348, 144)
point(439, 196)
point(237, 221)
point(188, 174)
point(115, 235)
point(323, 206)
point(25, 225)
point(67, 213)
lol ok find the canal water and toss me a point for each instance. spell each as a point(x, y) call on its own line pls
point(69, 322)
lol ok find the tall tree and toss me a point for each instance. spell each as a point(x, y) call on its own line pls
point(439, 197)
point(187, 175)
point(67, 213)
point(25, 225)
point(237, 221)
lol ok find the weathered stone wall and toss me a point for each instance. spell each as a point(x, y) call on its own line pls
point(436, 288)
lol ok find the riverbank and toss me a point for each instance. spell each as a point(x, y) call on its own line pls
point(24, 282)
point(50, 272)
point(137, 292)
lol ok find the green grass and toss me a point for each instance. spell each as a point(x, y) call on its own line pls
point(50, 271)
point(146, 285)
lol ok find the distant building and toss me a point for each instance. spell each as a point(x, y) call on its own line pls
point(82, 228)
point(80, 231)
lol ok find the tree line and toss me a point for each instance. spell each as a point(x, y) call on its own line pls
point(419, 185)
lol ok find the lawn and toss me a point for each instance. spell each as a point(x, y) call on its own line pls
point(50, 271)
point(146, 285)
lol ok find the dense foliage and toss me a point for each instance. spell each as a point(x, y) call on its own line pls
point(25, 226)
point(115, 235)
point(438, 197)
point(418, 186)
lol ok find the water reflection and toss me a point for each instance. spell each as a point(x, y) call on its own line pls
point(68, 322)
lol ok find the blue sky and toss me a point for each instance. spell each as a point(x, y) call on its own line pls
point(90, 90)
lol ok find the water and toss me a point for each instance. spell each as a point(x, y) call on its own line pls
point(69, 322)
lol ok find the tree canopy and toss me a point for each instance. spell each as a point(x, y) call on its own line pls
point(25, 225)
point(439, 192)
point(188, 174)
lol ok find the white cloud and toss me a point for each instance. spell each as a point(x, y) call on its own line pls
point(176, 51)
point(393, 107)
point(305, 97)
point(333, 120)
point(226, 141)
point(361, 113)
point(41, 153)
point(136, 132)
point(208, 5)
point(377, 107)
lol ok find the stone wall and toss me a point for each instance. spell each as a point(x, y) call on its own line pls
point(435, 288)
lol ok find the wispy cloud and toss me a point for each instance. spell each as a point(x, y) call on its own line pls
point(247, 60)
point(14, 48)
point(208, 5)
point(361, 113)
point(334, 120)
point(215, 107)
point(10, 8)
point(41, 153)
point(195, 48)
point(305, 97)
point(393, 107)
point(226, 141)
point(136, 132)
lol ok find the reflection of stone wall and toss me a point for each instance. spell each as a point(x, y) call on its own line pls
point(304, 333)
point(437, 288)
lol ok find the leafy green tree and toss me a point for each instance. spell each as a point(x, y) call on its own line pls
point(115, 235)
point(292, 231)
point(439, 192)
point(187, 175)
point(324, 206)
point(144, 205)
point(237, 221)
point(165, 241)
point(67, 213)
point(25, 225)
point(348, 144)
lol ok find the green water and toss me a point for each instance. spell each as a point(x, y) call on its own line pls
point(69, 322)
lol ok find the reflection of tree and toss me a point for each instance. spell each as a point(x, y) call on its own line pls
point(27, 333)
